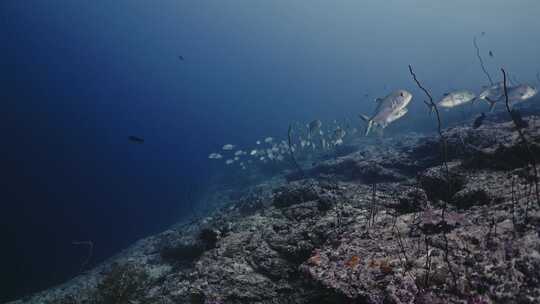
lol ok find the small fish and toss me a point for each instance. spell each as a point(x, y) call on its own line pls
point(228, 147)
point(490, 54)
point(268, 140)
point(229, 161)
point(479, 120)
point(253, 152)
point(339, 133)
point(181, 57)
point(314, 126)
point(136, 139)
point(258, 142)
point(215, 156)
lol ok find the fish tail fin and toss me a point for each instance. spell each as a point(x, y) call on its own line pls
point(491, 104)
point(369, 122)
point(368, 127)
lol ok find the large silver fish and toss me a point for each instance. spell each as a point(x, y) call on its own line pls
point(455, 99)
point(522, 92)
point(516, 94)
point(387, 107)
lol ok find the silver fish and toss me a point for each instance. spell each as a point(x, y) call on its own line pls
point(215, 156)
point(387, 107)
point(339, 133)
point(393, 117)
point(228, 147)
point(521, 93)
point(314, 126)
point(455, 99)
point(516, 94)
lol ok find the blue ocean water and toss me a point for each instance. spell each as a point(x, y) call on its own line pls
point(78, 78)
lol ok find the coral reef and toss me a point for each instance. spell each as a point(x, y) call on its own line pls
point(365, 227)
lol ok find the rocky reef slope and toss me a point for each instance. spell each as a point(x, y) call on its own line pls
point(384, 224)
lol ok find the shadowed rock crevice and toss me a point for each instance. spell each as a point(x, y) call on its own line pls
point(439, 186)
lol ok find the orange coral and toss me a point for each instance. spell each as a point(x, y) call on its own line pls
point(315, 260)
point(385, 267)
point(353, 261)
point(382, 264)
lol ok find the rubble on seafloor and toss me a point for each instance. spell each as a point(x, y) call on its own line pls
point(367, 227)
